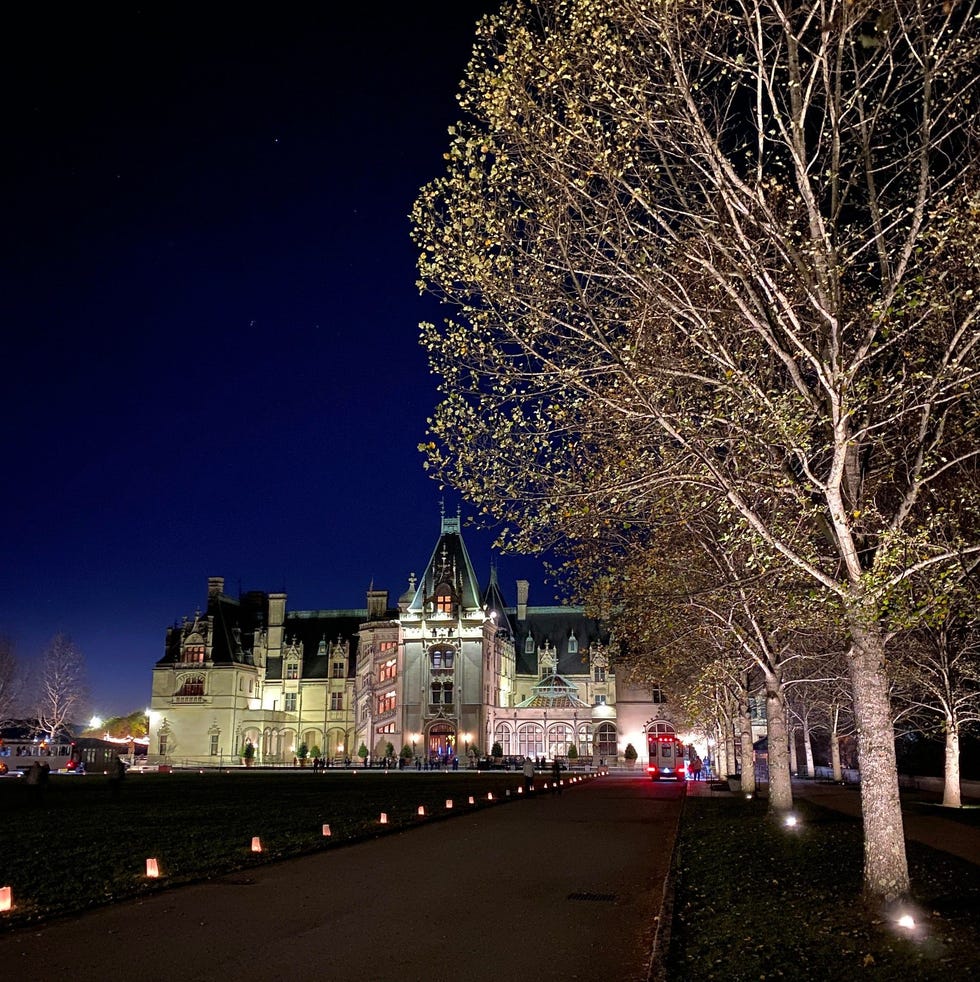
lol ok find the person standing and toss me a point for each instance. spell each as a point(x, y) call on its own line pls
point(556, 777)
point(528, 774)
point(117, 771)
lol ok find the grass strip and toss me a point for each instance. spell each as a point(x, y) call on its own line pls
point(754, 900)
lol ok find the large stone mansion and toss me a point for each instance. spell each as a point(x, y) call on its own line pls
point(448, 670)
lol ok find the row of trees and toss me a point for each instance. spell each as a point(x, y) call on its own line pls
point(51, 691)
point(714, 337)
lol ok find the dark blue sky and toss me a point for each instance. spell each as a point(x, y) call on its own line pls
point(209, 313)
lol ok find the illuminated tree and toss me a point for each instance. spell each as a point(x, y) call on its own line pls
point(10, 682)
point(729, 247)
point(60, 686)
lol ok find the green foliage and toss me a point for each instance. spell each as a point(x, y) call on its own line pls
point(315, 751)
point(630, 752)
point(406, 752)
point(496, 750)
point(389, 749)
point(572, 752)
point(248, 751)
point(303, 751)
point(362, 752)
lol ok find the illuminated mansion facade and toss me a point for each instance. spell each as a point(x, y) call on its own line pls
point(447, 671)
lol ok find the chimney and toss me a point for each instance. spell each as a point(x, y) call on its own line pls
point(216, 585)
point(522, 587)
point(377, 604)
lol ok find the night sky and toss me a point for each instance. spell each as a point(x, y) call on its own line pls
point(210, 345)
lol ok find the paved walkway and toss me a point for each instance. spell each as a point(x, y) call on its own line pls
point(555, 888)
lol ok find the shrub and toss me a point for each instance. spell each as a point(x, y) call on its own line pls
point(630, 752)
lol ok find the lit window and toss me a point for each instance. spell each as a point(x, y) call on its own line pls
point(387, 670)
point(292, 670)
point(194, 653)
point(386, 703)
point(599, 701)
point(600, 674)
point(193, 686)
point(444, 603)
point(442, 658)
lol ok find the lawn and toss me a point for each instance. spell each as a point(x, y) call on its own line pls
point(755, 900)
point(82, 846)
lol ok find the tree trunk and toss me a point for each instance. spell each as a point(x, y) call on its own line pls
point(745, 734)
point(951, 771)
point(835, 748)
point(886, 873)
point(793, 765)
point(780, 786)
point(808, 749)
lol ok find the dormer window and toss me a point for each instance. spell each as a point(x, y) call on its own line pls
point(572, 645)
point(443, 601)
point(292, 670)
point(529, 645)
point(193, 654)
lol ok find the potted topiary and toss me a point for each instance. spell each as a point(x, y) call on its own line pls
point(630, 755)
point(303, 753)
point(248, 753)
point(362, 752)
point(572, 754)
point(497, 752)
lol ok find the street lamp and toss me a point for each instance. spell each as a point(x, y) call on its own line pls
point(415, 738)
point(466, 740)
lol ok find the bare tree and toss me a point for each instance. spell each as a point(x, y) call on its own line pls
point(937, 689)
point(61, 686)
point(10, 682)
point(735, 241)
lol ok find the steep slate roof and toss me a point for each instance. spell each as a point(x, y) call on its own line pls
point(556, 626)
point(451, 563)
point(235, 624)
point(493, 600)
point(313, 627)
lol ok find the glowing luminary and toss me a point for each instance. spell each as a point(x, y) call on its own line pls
point(384, 818)
point(256, 844)
point(6, 898)
point(152, 869)
point(507, 792)
point(472, 802)
point(449, 802)
point(326, 830)
point(489, 796)
point(421, 809)
point(520, 791)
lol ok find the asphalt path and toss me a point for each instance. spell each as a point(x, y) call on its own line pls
point(555, 887)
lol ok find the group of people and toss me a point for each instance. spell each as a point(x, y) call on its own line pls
point(699, 769)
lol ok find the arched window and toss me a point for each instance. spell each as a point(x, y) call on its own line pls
point(573, 645)
point(529, 645)
point(530, 740)
point(559, 737)
point(605, 740)
point(502, 734)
